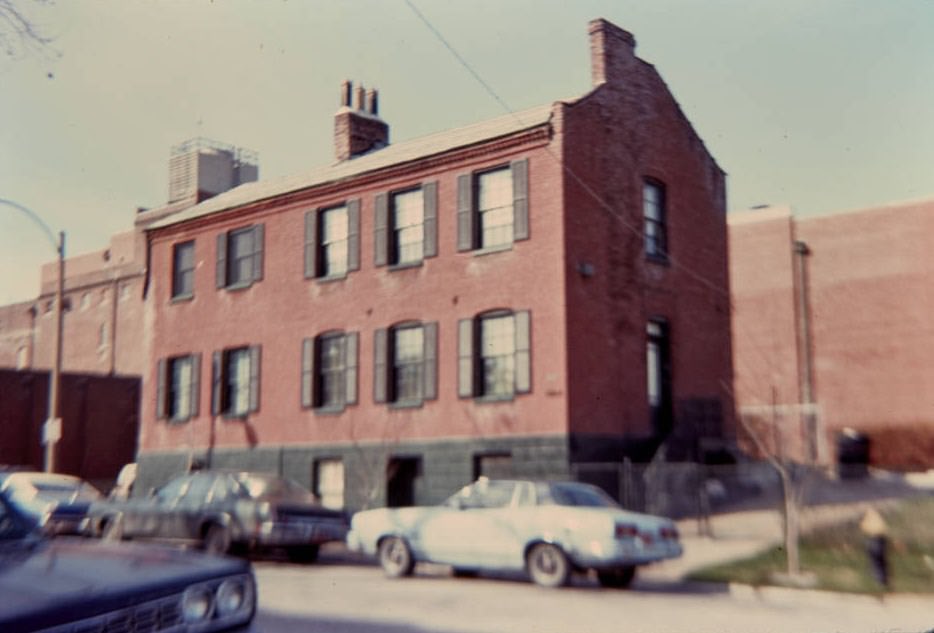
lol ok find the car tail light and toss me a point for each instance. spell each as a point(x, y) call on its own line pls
point(625, 530)
point(669, 533)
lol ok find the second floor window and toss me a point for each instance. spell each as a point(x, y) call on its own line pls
point(332, 241)
point(653, 207)
point(493, 207)
point(329, 371)
point(406, 226)
point(178, 385)
point(240, 257)
point(405, 367)
point(494, 355)
point(235, 381)
point(183, 270)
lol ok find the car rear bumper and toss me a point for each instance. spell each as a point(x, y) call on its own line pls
point(277, 533)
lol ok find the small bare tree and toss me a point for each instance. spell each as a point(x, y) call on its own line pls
point(767, 437)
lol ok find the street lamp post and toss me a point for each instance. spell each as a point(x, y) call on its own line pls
point(52, 429)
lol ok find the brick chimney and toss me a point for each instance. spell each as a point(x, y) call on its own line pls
point(612, 50)
point(357, 127)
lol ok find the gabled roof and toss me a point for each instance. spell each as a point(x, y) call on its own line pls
point(395, 154)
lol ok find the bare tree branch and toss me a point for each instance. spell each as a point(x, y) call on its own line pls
point(19, 33)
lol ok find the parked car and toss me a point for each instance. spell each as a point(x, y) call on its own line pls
point(223, 511)
point(58, 503)
point(549, 529)
point(74, 585)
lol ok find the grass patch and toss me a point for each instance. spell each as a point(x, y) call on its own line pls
point(837, 557)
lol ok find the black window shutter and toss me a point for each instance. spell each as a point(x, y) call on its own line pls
point(465, 213)
point(380, 366)
point(217, 374)
point(160, 388)
point(381, 231)
point(523, 352)
point(308, 372)
point(311, 244)
point(195, 397)
point(258, 239)
point(465, 358)
point(430, 361)
point(430, 198)
point(353, 234)
point(350, 367)
point(520, 199)
point(256, 353)
point(221, 273)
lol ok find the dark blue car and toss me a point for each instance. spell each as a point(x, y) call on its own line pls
point(74, 585)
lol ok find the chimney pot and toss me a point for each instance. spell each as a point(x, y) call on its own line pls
point(361, 96)
point(346, 92)
point(372, 101)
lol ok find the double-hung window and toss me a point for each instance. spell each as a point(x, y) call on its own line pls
point(658, 375)
point(405, 364)
point(494, 355)
point(183, 270)
point(332, 241)
point(329, 371)
point(236, 381)
point(406, 226)
point(493, 207)
point(654, 212)
point(178, 384)
point(240, 257)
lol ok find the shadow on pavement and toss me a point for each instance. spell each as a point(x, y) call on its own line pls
point(271, 622)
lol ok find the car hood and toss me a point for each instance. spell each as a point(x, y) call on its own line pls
point(56, 577)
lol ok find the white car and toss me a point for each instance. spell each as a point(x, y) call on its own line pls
point(549, 529)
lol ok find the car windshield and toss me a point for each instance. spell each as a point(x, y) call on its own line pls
point(580, 495)
point(269, 486)
point(51, 489)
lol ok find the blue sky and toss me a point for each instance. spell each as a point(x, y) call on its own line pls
point(822, 104)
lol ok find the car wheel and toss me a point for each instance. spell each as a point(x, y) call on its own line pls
point(395, 557)
point(216, 539)
point(303, 553)
point(548, 566)
point(619, 578)
point(111, 528)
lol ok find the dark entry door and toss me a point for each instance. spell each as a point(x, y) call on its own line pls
point(400, 481)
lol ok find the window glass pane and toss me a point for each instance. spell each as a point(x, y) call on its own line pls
point(497, 351)
point(179, 388)
point(332, 371)
point(494, 206)
point(408, 216)
point(334, 234)
point(184, 265)
point(240, 256)
point(238, 381)
point(653, 369)
point(331, 483)
point(407, 358)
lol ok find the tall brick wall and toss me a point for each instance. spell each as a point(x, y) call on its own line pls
point(868, 288)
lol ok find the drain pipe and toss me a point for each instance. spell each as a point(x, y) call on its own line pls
point(805, 351)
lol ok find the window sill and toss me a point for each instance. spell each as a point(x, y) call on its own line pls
point(329, 411)
point(178, 421)
point(239, 286)
point(331, 278)
point(406, 265)
point(661, 260)
point(182, 298)
point(407, 404)
point(235, 417)
point(494, 399)
point(489, 250)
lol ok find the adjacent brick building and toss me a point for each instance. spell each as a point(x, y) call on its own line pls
point(518, 296)
point(831, 328)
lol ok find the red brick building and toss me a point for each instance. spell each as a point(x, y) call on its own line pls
point(521, 295)
point(834, 312)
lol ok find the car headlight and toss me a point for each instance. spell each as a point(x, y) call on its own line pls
point(197, 604)
point(233, 595)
